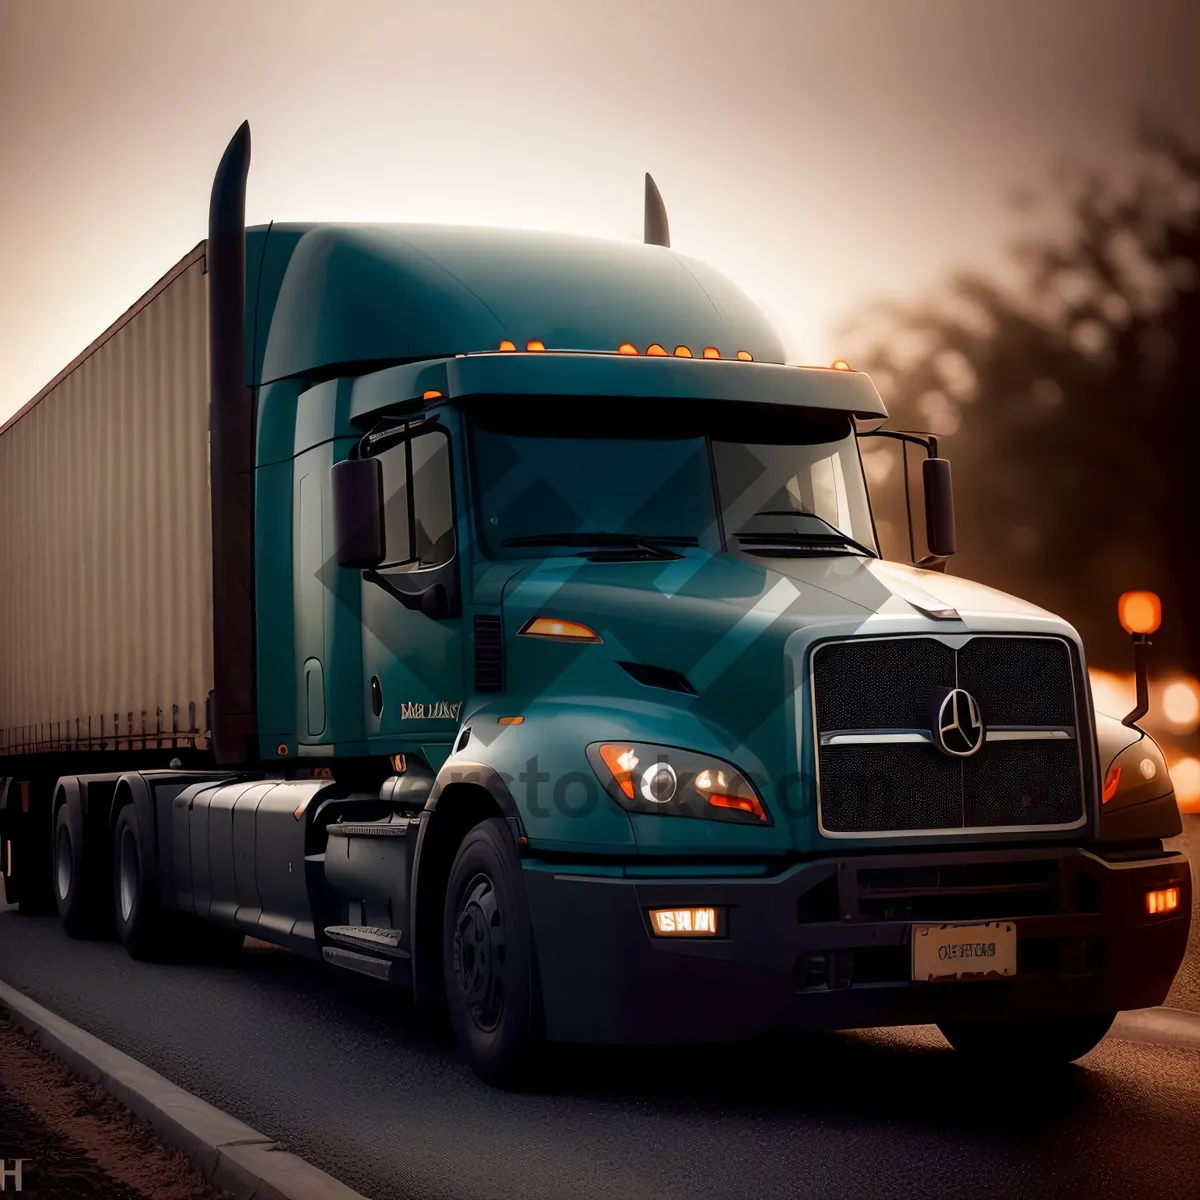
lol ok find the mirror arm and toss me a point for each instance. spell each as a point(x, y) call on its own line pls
point(928, 440)
point(431, 600)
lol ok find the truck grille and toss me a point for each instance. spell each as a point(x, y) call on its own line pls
point(880, 769)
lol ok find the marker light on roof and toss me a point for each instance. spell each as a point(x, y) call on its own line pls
point(507, 345)
point(656, 349)
point(627, 348)
point(431, 395)
point(711, 352)
point(682, 352)
point(535, 345)
point(842, 365)
point(745, 356)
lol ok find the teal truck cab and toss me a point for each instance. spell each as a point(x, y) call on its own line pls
point(558, 676)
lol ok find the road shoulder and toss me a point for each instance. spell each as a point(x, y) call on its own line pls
point(232, 1156)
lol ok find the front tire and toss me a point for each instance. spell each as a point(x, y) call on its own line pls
point(1041, 1042)
point(488, 959)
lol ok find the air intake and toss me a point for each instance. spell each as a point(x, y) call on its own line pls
point(489, 662)
point(659, 677)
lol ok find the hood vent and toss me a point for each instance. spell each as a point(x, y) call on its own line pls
point(659, 677)
point(489, 661)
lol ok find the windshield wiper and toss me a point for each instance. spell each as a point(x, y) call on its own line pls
point(793, 537)
point(653, 545)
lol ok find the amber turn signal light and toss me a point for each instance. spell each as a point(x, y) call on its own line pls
point(551, 627)
point(746, 804)
point(1111, 782)
point(620, 760)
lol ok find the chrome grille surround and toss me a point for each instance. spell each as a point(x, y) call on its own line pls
point(1054, 739)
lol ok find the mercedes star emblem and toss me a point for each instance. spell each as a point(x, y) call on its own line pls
point(958, 729)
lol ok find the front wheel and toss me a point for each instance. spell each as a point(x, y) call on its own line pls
point(1041, 1042)
point(488, 957)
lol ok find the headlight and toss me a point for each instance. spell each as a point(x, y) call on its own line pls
point(1136, 774)
point(673, 782)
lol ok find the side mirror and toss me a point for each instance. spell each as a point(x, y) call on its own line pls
point(940, 534)
point(357, 485)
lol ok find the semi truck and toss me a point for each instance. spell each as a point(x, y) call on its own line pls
point(500, 615)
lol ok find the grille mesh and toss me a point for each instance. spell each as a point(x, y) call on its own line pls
point(1019, 681)
point(1022, 783)
point(889, 788)
point(887, 683)
point(869, 684)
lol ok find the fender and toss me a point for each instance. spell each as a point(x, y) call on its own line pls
point(458, 770)
point(425, 981)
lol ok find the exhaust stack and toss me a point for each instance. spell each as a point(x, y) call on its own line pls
point(232, 718)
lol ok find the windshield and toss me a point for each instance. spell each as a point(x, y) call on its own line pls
point(771, 479)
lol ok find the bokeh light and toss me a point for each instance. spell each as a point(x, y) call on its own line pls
point(1185, 775)
point(1112, 694)
point(1181, 704)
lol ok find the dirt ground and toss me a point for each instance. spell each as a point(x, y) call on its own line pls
point(78, 1142)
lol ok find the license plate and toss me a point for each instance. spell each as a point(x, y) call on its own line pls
point(983, 951)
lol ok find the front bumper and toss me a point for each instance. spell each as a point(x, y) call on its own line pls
point(826, 944)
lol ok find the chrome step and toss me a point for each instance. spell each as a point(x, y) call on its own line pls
point(389, 970)
point(372, 938)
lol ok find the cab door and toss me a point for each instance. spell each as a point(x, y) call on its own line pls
point(413, 656)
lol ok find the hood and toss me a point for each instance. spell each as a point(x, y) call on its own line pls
point(723, 592)
point(730, 625)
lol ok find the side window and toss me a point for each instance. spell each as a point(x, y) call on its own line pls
point(433, 506)
point(418, 508)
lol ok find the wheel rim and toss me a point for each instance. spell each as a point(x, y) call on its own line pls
point(128, 873)
point(63, 864)
point(479, 953)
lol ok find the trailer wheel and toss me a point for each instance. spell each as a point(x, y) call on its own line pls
point(1029, 1044)
point(488, 957)
point(142, 924)
point(70, 891)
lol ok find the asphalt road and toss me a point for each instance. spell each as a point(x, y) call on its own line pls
point(347, 1075)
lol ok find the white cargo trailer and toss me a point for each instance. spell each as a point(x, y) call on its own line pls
point(105, 545)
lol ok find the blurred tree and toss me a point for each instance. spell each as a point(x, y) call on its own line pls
point(1070, 403)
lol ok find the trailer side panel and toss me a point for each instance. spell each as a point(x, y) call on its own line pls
point(105, 541)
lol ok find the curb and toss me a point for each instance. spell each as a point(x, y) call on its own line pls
point(1175, 1027)
point(231, 1155)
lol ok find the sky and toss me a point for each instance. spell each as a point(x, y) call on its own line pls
point(824, 154)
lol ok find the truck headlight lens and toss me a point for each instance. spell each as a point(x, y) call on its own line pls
point(674, 782)
point(1138, 773)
